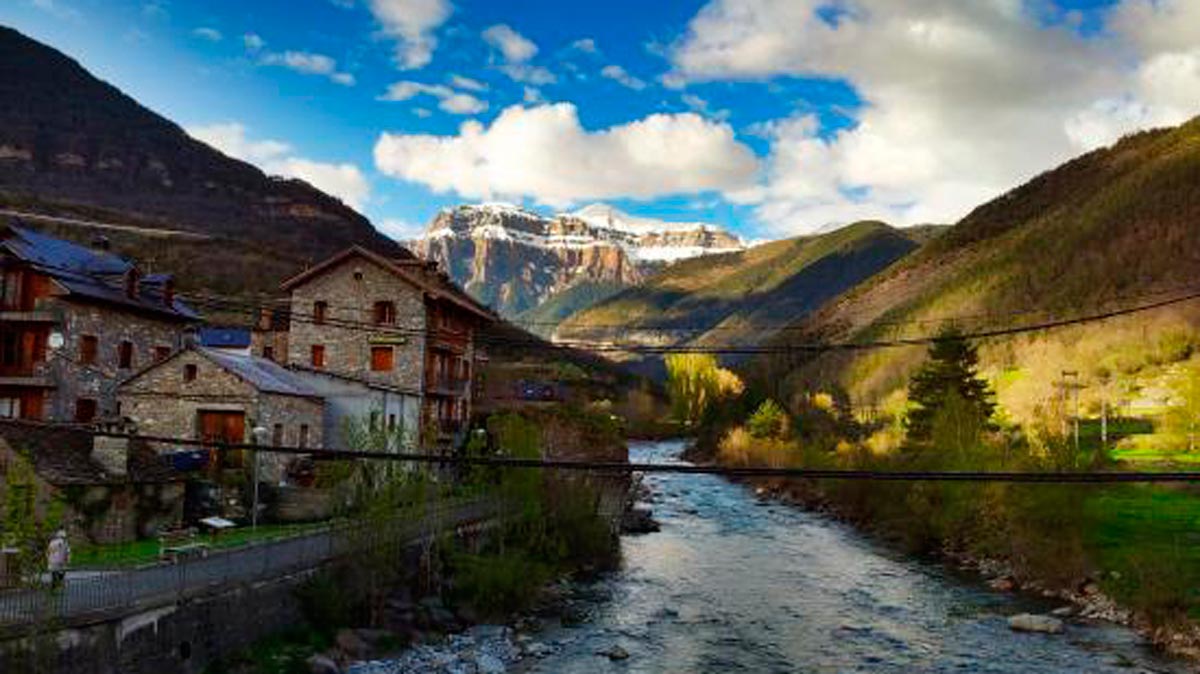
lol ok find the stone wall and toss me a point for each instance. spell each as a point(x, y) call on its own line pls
point(173, 639)
point(348, 349)
point(161, 403)
point(110, 326)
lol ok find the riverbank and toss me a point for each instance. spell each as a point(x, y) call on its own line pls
point(1066, 579)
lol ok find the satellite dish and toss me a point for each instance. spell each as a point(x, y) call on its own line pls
point(55, 341)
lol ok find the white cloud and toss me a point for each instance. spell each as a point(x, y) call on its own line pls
point(545, 153)
point(206, 33)
point(449, 100)
point(343, 180)
point(703, 107)
point(309, 63)
point(533, 96)
point(57, 9)
point(401, 230)
point(422, 113)
point(467, 83)
point(962, 100)
point(538, 76)
point(253, 42)
point(515, 47)
point(411, 23)
point(622, 77)
point(586, 45)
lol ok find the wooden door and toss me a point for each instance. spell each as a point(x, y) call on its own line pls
point(227, 427)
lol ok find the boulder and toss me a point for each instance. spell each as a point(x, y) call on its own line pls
point(320, 664)
point(1002, 584)
point(638, 521)
point(615, 653)
point(1028, 622)
point(486, 663)
point(349, 642)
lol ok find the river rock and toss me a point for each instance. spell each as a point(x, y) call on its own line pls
point(1002, 584)
point(321, 664)
point(638, 521)
point(354, 646)
point(615, 653)
point(1028, 622)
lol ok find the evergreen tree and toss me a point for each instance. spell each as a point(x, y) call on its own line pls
point(950, 373)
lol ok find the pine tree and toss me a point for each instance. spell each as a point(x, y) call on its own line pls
point(950, 371)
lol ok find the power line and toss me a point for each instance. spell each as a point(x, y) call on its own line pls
point(781, 348)
point(1020, 477)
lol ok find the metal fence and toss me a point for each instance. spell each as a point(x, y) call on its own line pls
point(120, 592)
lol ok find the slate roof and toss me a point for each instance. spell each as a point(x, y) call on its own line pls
point(261, 373)
point(419, 273)
point(235, 338)
point(89, 273)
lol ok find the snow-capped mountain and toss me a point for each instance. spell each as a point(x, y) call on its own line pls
point(515, 259)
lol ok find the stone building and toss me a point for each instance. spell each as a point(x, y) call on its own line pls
point(73, 322)
point(395, 323)
point(219, 395)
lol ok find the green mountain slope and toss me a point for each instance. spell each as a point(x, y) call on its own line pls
point(543, 319)
point(727, 299)
point(1113, 228)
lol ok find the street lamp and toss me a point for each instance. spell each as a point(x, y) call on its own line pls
point(258, 436)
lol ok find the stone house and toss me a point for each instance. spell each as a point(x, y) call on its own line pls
point(73, 322)
point(221, 395)
point(396, 323)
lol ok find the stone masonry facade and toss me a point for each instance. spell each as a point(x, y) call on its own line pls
point(150, 337)
point(161, 401)
point(350, 291)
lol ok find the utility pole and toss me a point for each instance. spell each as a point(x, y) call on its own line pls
point(1073, 376)
point(257, 436)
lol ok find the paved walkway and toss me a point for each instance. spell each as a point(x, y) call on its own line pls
point(138, 589)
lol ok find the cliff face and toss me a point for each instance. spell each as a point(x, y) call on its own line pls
point(70, 140)
point(516, 260)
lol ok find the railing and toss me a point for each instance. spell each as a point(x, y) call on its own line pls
point(122, 592)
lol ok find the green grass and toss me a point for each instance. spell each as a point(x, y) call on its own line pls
point(145, 551)
point(1147, 541)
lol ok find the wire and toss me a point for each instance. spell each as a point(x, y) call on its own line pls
point(1029, 477)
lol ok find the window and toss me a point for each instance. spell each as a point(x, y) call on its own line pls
point(10, 408)
point(88, 346)
point(382, 358)
point(277, 435)
point(125, 355)
point(161, 353)
point(320, 309)
point(391, 422)
point(375, 418)
point(269, 352)
point(385, 313)
point(85, 410)
point(303, 435)
point(318, 355)
point(189, 372)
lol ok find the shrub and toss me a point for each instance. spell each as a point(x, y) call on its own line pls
point(768, 421)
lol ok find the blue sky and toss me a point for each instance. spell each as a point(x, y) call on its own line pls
point(771, 117)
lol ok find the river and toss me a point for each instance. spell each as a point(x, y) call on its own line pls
point(734, 585)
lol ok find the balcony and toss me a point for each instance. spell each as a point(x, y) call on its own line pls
point(25, 374)
point(449, 386)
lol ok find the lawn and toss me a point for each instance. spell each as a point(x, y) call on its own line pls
point(1150, 537)
point(145, 551)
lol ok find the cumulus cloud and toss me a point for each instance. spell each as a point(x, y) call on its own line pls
point(544, 153)
point(961, 100)
point(343, 180)
point(586, 45)
point(515, 48)
point(253, 42)
point(622, 77)
point(411, 23)
point(207, 33)
point(449, 100)
point(528, 74)
point(309, 63)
